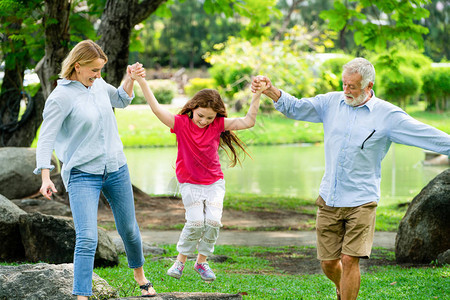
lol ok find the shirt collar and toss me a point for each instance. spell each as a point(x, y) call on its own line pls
point(64, 81)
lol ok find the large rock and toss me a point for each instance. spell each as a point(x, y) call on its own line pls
point(11, 247)
point(16, 174)
point(47, 207)
point(424, 231)
point(45, 281)
point(52, 239)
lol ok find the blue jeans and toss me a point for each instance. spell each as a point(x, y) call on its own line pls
point(84, 192)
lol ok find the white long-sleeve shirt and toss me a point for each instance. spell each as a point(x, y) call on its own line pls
point(79, 124)
point(356, 139)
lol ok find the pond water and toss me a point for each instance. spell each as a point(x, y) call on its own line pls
point(289, 170)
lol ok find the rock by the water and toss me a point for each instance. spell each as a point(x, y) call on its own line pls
point(424, 231)
point(45, 281)
point(52, 239)
point(11, 247)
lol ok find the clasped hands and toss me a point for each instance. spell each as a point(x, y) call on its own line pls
point(136, 70)
point(260, 84)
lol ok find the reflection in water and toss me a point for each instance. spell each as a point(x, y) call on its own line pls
point(293, 170)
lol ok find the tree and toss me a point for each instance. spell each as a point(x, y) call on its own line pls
point(118, 19)
point(181, 38)
point(20, 46)
point(376, 22)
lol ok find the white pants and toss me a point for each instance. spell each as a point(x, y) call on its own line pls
point(204, 206)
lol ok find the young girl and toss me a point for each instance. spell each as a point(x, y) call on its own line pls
point(201, 127)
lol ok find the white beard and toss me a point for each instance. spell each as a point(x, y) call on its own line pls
point(355, 101)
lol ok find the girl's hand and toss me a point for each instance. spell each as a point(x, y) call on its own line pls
point(260, 84)
point(136, 71)
point(262, 87)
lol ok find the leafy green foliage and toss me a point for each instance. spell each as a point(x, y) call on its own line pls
point(163, 89)
point(197, 84)
point(180, 32)
point(238, 60)
point(375, 23)
point(436, 87)
point(331, 73)
point(400, 90)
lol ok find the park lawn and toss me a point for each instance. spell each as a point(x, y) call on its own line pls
point(248, 272)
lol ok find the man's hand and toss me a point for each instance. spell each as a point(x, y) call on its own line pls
point(270, 91)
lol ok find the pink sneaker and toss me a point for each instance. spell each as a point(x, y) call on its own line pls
point(205, 271)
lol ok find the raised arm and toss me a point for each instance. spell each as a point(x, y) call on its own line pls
point(165, 116)
point(250, 118)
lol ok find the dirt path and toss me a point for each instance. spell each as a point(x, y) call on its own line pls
point(162, 213)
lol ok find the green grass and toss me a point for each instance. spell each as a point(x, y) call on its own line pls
point(270, 203)
point(247, 271)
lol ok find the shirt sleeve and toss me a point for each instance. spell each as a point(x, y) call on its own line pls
point(53, 116)
point(118, 97)
point(305, 109)
point(177, 123)
point(221, 124)
point(408, 131)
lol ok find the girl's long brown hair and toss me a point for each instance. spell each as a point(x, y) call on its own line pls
point(209, 98)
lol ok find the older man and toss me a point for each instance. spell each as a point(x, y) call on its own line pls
point(358, 131)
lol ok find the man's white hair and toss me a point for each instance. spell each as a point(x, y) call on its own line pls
point(363, 67)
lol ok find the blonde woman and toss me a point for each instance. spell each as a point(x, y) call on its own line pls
point(79, 124)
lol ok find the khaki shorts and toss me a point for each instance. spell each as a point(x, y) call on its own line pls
point(344, 230)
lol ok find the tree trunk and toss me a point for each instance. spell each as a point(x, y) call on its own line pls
point(12, 86)
point(118, 19)
point(57, 40)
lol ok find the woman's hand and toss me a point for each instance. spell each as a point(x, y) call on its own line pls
point(47, 187)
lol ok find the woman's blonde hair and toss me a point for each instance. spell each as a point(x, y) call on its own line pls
point(83, 53)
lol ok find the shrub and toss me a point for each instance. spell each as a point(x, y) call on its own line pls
point(163, 89)
point(197, 84)
point(330, 74)
point(240, 60)
point(400, 89)
point(391, 65)
point(436, 87)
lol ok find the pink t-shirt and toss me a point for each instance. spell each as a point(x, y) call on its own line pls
point(198, 157)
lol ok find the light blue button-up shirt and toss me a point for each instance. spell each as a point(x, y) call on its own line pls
point(356, 139)
point(79, 124)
